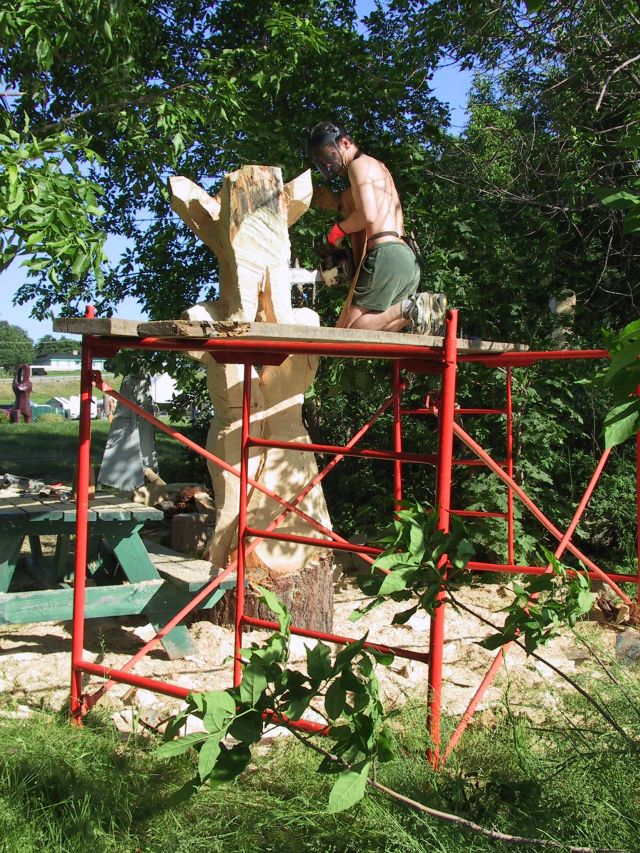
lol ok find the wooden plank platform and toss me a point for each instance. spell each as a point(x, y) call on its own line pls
point(265, 332)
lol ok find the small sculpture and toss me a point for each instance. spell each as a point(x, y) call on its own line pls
point(22, 388)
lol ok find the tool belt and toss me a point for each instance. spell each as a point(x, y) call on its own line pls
point(409, 239)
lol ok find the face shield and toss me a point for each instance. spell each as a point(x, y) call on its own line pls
point(328, 160)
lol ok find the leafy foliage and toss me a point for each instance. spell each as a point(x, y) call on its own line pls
point(272, 695)
point(16, 347)
point(542, 605)
point(622, 377)
point(49, 345)
point(415, 561)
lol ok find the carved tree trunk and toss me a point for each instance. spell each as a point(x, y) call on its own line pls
point(246, 226)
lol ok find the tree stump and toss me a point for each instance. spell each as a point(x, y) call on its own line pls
point(246, 226)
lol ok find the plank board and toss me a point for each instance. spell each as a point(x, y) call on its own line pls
point(107, 508)
point(186, 572)
point(56, 605)
point(254, 332)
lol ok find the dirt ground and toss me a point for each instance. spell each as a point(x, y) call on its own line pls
point(35, 659)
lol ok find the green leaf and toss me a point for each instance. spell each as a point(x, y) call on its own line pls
point(276, 606)
point(585, 600)
point(346, 655)
point(390, 561)
point(230, 764)
point(494, 641)
point(385, 746)
point(404, 616)
point(299, 703)
point(617, 199)
point(247, 727)
point(334, 700)
point(393, 582)
point(254, 682)
point(79, 264)
point(417, 543)
point(463, 553)
point(383, 658)
point(207, 757)
point(359, 612)
point(219, 708)
point(631, 223)
point(534, 6)
point(319, 662)
point(184, 793)
point(349, 787)
point(180, 745)
point(621, 423)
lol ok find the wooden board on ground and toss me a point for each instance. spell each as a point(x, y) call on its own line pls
point(265, 332)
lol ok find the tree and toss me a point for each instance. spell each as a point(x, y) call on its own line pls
point(16, 347)
point(48, 345)
point(110, 99)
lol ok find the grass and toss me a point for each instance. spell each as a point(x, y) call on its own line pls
point(46, 387)
point(48, 452)
point(567, 779)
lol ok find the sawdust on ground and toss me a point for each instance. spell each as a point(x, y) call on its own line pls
point(35, 659)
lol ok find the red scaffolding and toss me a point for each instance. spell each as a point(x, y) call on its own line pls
point(407, 358)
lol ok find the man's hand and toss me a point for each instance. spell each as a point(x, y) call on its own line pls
point(336, 236)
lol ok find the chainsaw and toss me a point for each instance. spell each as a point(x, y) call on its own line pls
point(335, 267)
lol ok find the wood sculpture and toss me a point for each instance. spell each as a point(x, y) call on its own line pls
point(22, 388)
point(246, 226)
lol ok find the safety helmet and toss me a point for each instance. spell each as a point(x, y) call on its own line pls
point(322, 148)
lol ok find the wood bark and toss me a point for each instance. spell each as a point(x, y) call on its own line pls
point(246, 226)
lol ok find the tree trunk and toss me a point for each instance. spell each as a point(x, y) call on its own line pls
point(246, 226)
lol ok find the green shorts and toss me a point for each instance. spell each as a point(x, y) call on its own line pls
point(389, 273)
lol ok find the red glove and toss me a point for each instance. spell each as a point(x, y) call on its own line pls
point(336, 236)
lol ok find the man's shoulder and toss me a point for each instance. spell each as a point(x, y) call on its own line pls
point(364, 164)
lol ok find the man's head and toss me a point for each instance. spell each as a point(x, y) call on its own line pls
point(330, 147)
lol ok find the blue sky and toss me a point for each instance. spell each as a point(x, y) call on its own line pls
point(450, 85)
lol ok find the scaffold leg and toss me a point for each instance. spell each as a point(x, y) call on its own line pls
point(443, 504)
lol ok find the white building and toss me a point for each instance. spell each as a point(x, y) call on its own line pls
point(64, 363)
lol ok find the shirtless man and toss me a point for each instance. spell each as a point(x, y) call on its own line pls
point(385, 297)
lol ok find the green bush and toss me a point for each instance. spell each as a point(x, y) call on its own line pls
point(51, 418)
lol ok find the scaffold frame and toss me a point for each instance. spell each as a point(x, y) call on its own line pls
point(441, 359)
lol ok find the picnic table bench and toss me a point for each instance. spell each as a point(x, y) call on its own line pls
point(124, 578)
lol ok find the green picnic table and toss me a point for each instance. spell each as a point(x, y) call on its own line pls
point(156, 589)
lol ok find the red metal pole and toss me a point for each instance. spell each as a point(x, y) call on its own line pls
point(519, 569)
point(82, 534)
point(136, 680)
point(397, 434)
point(423, 657)
point(443, 503)
point(242, 521)
point(562, 545)
point(510, 535)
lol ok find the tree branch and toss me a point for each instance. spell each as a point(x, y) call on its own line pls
point(110, 108)
point(626, 63)
point(599, 708)
point(447, 817)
